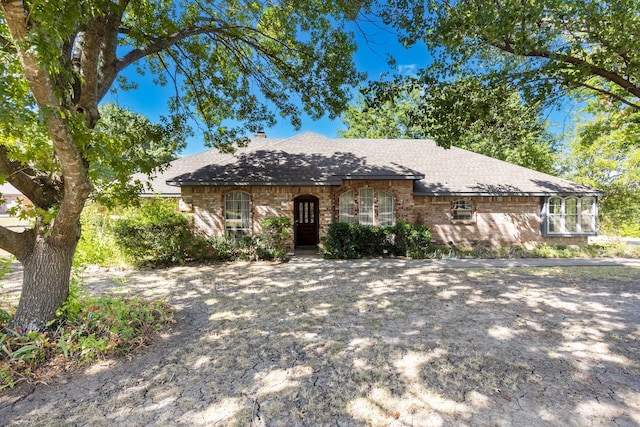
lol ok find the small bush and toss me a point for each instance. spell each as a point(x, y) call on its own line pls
point(276, 231)
point(220, 248)
point(269, 244)
point(342, 241)
point(411, 240)
point(86, 328)
point(155, 234)
point(349, 240)
point(97, 245)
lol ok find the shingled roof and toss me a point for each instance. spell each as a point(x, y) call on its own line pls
point(311, 159)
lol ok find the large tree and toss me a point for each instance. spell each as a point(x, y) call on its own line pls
point(605, 153)
point(226, 59)
point(465, 113)
point(546, 47)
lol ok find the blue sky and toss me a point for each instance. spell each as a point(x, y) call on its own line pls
point(371, 57)
point(373, 49)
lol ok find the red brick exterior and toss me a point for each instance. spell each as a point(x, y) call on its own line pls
point(496, 222)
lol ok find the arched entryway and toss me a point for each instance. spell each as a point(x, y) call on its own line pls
point(306, 221)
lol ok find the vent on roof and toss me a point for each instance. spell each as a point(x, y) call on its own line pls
point(260, 134)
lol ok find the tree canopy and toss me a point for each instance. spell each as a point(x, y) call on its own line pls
point(228, 61)
point(546, 47)
point(465, 113)
point(605, 153)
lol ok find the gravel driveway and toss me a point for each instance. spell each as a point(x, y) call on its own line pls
point(351, 344)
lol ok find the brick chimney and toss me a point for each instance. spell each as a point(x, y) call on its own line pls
point(260, 134)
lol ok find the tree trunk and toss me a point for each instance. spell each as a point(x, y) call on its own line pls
point(45, 285)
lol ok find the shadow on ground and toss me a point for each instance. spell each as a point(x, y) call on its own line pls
point(293, 344)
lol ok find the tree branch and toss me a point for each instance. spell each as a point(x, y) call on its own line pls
point(107, 68)
point(18, 244)
point(6, 45)
point(608, 93)
point(578, 63)
point(38, 191)
point(87, 52)
point(77, 186)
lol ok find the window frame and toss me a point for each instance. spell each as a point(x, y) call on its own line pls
point(347, 207)
point(367, 206)
point(570, 216)
point(386, 217)
point(457, 210)
point(374, 207)
point(242, 214)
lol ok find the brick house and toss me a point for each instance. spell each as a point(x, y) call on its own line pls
point(466, 199)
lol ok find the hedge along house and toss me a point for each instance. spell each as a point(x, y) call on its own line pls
point(466, 199)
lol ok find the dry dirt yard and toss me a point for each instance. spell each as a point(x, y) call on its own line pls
point(359, 344)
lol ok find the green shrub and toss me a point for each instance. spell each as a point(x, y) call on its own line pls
point(349, 240)
point(341, 242)
point(155, 234)
point(411, 240)
point(220, 248)
point(276, 231)
point(269, 244)
point(86, 328)
point(97, 245)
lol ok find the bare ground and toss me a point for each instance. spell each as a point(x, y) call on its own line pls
point(351, 344)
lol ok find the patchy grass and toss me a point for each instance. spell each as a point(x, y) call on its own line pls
point(341, 344)
point(85, 329)
point(605, 250)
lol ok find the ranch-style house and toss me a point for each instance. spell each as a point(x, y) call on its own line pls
point(466, 199)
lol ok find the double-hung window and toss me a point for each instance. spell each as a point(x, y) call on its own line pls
point(385, 208)
point(237, 214)
point(571, 215)
point(347, 207)
point(369, 210)
point(366, 213)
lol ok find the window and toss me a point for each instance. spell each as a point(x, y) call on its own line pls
point(366, 207)
point(306, 212)
point(462, 210)
point(385, 208)
point(555, 215)
point(347, 207)
point(571, 215)
point(237, 214)
point(588, 215)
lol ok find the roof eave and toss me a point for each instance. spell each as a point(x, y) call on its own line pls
point(254, 183)
point(415, 177)
point(509, 194)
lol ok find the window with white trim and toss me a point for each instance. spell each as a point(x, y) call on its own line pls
point(370, 211)
point(571, 215)
point(385, 208)
point(366, 212)
point(462, 210)
point(347, 207)
point(237, 214)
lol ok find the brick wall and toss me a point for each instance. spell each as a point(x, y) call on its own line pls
point(401, 190)
point(207, 205)
point(497, 221)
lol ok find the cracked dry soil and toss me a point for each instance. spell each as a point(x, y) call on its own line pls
point(301, 344)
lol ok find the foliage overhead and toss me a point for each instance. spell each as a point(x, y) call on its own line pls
point(605, 154)
point(228, 61)
point(465, 113)
point(546, 47)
